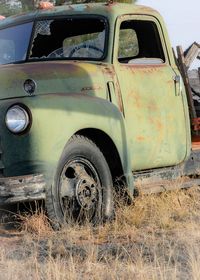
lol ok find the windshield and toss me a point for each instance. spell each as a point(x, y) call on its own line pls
point(81, 38)
point(14, 42)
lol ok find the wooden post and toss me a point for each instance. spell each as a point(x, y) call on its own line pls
point(192, 54)
point(183, 70)
point(199, 74)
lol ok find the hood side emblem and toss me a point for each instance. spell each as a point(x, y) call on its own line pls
point(30, 86)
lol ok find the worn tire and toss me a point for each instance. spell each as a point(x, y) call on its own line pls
point(82, 187)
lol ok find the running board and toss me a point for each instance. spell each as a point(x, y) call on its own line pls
point(184, 175)
point(165, 185)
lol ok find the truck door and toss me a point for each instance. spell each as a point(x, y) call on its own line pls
point(153, 104)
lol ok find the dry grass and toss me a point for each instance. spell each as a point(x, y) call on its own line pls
point(157, 237)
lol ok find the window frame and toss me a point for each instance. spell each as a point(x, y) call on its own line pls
point(138, 17)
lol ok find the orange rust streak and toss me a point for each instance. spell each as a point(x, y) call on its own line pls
point(195, 142)
point(152, 106)
point(140, 138)
point(44, 5)
point(196, 124)
point(136, 99)
point(159, 125)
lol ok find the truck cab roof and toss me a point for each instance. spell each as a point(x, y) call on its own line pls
point(111, 11)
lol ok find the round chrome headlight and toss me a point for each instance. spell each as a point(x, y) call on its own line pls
point(17, 119)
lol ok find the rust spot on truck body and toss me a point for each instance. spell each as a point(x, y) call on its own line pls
point(140, 138)
point(152, 105)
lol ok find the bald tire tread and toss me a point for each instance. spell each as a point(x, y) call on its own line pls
point(81, 146)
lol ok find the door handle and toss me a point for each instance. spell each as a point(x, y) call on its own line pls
point(178, 83)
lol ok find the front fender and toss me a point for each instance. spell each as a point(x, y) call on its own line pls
point(55, 118)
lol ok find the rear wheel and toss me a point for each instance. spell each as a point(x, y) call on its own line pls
point(82, 189)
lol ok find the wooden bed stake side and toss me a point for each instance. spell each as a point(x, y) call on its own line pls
point(183, 70)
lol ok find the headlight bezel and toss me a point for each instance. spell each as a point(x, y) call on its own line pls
point(23, 109)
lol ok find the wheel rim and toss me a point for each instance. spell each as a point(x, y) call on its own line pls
point(80, 192)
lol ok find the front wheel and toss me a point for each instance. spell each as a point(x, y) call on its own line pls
point(82, 188)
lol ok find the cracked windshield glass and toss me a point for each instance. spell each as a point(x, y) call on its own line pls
point(69, 38)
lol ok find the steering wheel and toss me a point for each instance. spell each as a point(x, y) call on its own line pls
point(56, 53)
point(84, 46)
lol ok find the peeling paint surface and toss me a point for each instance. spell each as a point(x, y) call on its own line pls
point(154, 116)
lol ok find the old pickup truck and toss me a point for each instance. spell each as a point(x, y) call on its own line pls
point(89, 94)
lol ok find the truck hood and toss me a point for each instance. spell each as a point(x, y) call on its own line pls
point(52, 77)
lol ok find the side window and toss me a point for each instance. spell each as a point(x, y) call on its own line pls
point(139, 43)
point(7, 51)
point(14, 42)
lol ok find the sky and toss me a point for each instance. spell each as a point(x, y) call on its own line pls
point(182, 19)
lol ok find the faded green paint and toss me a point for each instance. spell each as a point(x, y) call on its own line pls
point(156, 114)
point(136, 114)
point(55, 119)
point(69, 97)
point(53, 77)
